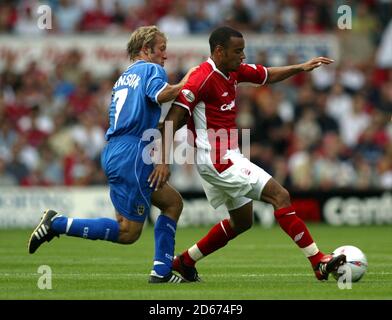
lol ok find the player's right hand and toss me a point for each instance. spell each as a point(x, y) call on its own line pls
point(315, 63)
point(159, 176)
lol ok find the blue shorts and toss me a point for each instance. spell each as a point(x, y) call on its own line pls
point(127, 173)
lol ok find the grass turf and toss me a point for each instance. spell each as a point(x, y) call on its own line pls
point(260, 264)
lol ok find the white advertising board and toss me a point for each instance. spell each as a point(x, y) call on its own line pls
point(101, 54)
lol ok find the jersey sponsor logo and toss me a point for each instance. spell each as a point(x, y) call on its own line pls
point(225, 107)
point(188, 95)
point(225, 94)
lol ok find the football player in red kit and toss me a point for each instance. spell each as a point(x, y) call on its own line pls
point(207, 103)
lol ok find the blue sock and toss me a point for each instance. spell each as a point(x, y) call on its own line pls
point(101, 228)
point(164, 231)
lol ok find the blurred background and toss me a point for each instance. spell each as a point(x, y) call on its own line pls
point(324, 132)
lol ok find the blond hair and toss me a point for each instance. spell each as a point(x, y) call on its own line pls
point(142, 36)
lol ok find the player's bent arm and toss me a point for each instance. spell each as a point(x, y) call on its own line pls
point(276, 74)
point(171, 91)
point(177, 116)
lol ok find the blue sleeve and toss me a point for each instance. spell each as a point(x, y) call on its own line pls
point(156, 82)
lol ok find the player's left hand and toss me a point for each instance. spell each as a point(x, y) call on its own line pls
point(159, 176)
point(315, 63)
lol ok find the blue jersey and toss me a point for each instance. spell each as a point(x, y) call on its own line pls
point(133, 110)
point(134, 107)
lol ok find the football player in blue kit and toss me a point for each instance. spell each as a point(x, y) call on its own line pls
point(135, 108)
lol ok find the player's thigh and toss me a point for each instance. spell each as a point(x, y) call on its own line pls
point(168, 200)
point(242, 218)
point(242, 179)
point(127, 175)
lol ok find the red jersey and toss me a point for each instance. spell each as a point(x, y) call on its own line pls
point(210, 97)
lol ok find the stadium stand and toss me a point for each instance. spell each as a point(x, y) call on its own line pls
point(323, 130)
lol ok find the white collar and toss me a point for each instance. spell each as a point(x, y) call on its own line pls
point(212, 63)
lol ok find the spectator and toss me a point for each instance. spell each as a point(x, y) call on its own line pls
point(307, 129)
point(384, 52)
point(364, 22)
point(8, 16)
point(330, 170)
point(354, 122)
point(239, 16)
point(300, 164)
point(174, 23)
point(52, 170)
point(26, 24)
point(6, 179)
point(68, 16)
point(198, 19)
point(339, 103)
point(384, 168)
point(269, 128)
point(95, 19)
point(88, 135)
point(326, 122)
point(310, 23)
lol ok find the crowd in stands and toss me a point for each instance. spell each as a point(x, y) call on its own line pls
point(330, 128)
point(183, 17)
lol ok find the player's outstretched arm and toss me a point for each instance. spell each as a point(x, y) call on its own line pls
point(177, 116)
point(276, 74)
point(172, 90)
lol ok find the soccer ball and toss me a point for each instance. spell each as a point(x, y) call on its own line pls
point(356, 263)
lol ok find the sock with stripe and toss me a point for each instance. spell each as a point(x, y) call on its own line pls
point(94, 229)
point(164, 233)
point(297, 230)
point(217, 237)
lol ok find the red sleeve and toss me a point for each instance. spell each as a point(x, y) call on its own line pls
point(190, 93)
point(253, 73)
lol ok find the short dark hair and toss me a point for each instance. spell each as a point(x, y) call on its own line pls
point(221, 36)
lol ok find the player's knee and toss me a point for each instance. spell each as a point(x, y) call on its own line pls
point(129, 231)
point(282, 198)
point(246, 226)
point(242, 226)
point(129, 237)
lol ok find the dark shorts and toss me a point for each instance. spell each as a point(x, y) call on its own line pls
point(127, 173)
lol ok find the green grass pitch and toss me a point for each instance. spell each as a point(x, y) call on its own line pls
point(259, 264)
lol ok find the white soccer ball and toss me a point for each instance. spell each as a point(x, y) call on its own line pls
point(356, 265)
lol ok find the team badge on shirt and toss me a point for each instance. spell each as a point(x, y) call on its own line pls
point(246, 171)
point(140, 210)
point(189, 96)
